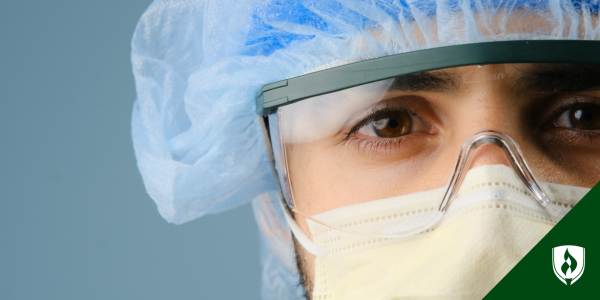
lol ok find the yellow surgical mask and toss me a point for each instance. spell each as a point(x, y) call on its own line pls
point(490, 226)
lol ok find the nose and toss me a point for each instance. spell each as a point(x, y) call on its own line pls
point(489, 154)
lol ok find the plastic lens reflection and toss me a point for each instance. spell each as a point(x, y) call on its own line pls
point(405, 145)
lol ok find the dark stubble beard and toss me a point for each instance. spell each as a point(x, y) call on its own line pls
point(305, 280)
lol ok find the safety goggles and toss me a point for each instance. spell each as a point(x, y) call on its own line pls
point(417, 122)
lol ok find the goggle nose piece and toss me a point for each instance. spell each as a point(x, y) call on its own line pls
point(513, 155)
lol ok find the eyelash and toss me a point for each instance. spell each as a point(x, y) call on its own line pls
point(372, 145)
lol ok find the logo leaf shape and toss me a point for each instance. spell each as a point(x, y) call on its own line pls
point(566, 265)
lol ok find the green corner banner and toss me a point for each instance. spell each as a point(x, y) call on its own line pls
point(536, 276)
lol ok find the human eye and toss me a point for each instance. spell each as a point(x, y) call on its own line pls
point(580, 116)
point(387, 125)
point(571, 125)
point(390, 123)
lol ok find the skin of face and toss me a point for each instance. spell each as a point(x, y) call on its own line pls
point(329, 172)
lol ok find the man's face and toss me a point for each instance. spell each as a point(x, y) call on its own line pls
point(402, 135)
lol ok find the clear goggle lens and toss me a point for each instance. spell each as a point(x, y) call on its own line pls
point(400, 151)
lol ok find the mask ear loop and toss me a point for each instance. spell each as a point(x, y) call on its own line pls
point(301, 237)
point(515, 157)
point(281, 173)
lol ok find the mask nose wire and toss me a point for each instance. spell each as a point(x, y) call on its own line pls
point(513, 154)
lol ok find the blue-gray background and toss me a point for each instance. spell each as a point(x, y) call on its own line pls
point(75, 220)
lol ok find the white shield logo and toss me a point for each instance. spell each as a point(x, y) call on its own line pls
point(568, 263)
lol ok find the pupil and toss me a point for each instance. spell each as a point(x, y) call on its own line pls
point(392, 124)
point(587, 116)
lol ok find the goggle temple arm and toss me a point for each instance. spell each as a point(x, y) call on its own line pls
point(284, 183)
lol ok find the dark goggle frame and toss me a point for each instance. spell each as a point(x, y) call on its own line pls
point(287, 91)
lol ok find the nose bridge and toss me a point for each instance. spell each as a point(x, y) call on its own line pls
point(488, 154)
point(487, 103)
point(489, 148)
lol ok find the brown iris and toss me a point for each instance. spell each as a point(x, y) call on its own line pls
point(585, 117)
point(392, 124)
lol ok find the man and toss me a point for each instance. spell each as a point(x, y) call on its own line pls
point(421, 148)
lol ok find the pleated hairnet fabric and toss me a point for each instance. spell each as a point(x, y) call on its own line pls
point(198, 65)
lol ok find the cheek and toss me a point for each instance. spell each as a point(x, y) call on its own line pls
point(324, 178)
point(568, 157)
point(319, 179)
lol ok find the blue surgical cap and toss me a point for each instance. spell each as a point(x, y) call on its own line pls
point(201, 148)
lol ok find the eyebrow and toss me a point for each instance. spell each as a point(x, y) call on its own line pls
point(437, 81)
point(561, 78)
